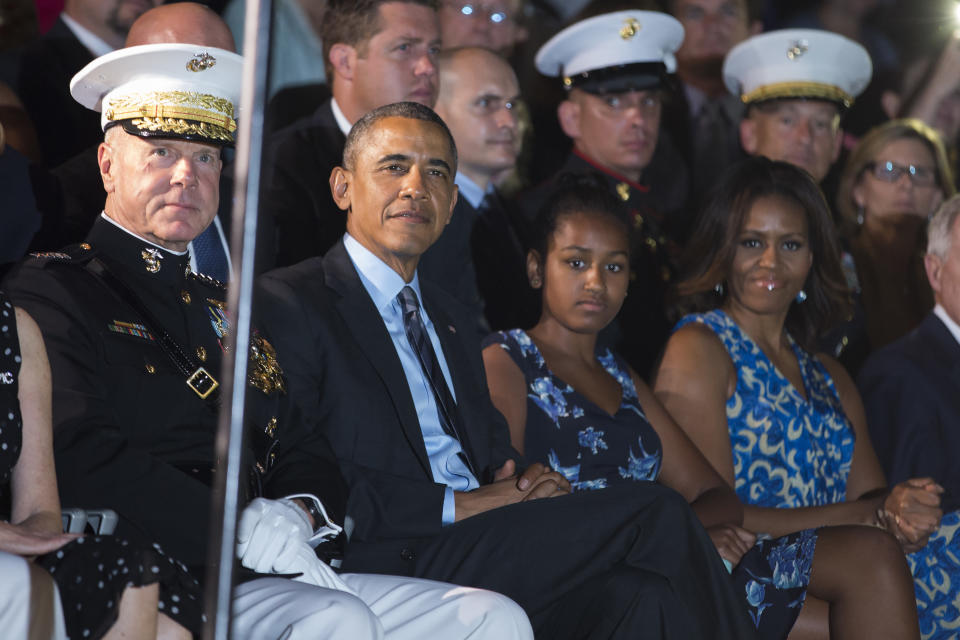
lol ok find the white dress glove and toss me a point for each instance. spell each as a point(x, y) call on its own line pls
point(301, 558)
point(267, 528)
point(272, 538)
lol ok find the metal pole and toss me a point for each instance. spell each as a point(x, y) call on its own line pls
point(243, 238)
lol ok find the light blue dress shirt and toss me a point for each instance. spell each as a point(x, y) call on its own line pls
point(384, 284)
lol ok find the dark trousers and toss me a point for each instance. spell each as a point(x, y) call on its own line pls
point(626, 562)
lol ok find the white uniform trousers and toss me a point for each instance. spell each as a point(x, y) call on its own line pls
point(385, 607)
point(29, 601)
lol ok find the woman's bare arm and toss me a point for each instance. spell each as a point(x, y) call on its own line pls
point(508, 391)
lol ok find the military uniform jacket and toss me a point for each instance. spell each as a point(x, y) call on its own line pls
point(129, 434)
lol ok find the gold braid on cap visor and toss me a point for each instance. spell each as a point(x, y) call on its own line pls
point(177, 112)
point(816, 90)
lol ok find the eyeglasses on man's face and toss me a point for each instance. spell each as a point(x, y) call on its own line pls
point(892, 172)
point(478, 10)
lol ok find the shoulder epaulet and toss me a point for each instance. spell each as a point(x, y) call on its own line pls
point(207, 280)
point(78, 254)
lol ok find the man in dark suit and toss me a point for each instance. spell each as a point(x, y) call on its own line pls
point(375, 52)
point(389, 368)
point(136, 341)
point(84, 30)
point(911, 387)
point(480, 259)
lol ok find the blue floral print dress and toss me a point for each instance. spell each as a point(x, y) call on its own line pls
point(789, 451)
point(594, 450)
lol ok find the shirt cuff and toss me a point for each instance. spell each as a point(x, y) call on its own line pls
point(449, 508)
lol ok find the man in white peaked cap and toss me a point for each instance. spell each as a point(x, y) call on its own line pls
point(136, 341)
point(796, 83)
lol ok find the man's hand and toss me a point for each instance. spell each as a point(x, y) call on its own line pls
point(731, 541)
point(911, 512)
point(269, 530)
point(536, 482)
point(23, 541)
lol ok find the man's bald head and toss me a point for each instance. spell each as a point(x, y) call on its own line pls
point(478, 92)
point(183, 22)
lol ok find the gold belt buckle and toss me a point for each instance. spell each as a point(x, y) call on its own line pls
point(202, 383)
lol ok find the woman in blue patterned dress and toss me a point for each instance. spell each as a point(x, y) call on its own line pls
point(781, 425)
point(582, 410)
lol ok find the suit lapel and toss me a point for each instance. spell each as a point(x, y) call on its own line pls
point(364, 322)
point(944, 348)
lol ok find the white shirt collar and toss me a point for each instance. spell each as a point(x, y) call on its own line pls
point(94, 43)
point(103, 214)
point(947, 320)
point(381, 282)
point(341, 119)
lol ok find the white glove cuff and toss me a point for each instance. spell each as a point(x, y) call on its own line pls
point(324, 527)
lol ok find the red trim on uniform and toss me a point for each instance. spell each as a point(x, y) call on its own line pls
point(617, 176)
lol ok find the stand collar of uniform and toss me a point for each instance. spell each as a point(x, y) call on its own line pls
point(116, 243)
point(613, 174)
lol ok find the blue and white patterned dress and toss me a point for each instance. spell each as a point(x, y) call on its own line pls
point(594, 449)
point(794, 452)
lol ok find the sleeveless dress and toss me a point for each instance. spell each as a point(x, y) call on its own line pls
point(91, 572)
point(594, 450)
point(790, 452)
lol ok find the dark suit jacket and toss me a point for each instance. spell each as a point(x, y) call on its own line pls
point(296, 193)
point(344, 372)
point(911, 391)
point(64, 127)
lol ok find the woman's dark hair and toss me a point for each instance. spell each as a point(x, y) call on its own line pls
point(586, 194)
point(709, 254)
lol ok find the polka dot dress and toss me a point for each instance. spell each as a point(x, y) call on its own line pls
point(10, 426)
point(92, 572)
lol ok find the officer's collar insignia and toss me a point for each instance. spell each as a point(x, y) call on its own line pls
point(51, 255)
point(152, 259)
point(265, 373)
point(623, 190)
point(130, 329)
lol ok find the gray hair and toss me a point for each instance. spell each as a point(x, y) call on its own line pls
point(941, 223)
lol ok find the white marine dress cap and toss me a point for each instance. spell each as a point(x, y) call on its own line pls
point(181, 91)
point(797, 63)
point(613, 52)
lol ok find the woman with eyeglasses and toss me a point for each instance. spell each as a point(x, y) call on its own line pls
point(894, 180)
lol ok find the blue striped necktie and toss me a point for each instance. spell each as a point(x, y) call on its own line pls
point(419, 340)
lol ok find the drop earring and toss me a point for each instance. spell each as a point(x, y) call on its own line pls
point(718, 288)
point(860, 215)
point(801, 296)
